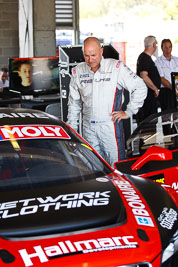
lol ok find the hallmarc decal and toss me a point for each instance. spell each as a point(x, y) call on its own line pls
point(69, 201)
point(32, 131)
point(139, 210)
point(69, 248)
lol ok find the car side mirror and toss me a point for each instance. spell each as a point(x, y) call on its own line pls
point(152, 153)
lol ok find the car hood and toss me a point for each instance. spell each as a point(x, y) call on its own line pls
point(69, 207)
point(118, 221)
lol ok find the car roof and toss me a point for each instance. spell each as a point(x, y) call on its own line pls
point(159, 129)
point(23, 116)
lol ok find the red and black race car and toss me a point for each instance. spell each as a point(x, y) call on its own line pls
point(152, 150)
point(62, 205)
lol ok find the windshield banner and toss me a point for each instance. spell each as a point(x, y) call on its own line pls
point(32, 131)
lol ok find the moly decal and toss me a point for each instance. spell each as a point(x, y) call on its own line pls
point(137, 206)
point(32, 131)
point(68, 201)
point(69, 248)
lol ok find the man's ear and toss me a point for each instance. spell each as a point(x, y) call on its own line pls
point(102, 51)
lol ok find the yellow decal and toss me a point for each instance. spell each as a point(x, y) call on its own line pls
point(161, 181)
point(87, 147)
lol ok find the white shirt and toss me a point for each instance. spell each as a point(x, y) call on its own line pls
point(165, 67)
point(6, 84)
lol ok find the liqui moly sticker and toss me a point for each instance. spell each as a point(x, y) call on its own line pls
point(32, 131)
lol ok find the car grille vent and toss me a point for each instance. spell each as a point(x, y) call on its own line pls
point(6, 256)
point(142, 235)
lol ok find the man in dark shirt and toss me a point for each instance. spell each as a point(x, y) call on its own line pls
point(147, 70)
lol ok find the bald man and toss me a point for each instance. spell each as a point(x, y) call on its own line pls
point(96, 89)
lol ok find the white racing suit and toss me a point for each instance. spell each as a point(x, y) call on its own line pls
point(97, 95)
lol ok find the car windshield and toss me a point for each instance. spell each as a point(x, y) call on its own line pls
point(160, 130)
point(33, 163)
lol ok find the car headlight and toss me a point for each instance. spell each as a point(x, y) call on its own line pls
point(171, 249)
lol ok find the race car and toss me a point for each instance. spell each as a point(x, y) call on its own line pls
point(61, 204)
point(152, 150)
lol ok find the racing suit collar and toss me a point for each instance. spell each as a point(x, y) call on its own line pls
point(101, 64)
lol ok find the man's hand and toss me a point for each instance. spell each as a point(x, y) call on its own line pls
point(156, 92)
point(119, 115)
point(1, 89)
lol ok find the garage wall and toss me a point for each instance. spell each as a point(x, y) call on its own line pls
point(44, 42)
point(44, 26)
point(9, 35)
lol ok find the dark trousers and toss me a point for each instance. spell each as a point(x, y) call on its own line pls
point(167, 98)
point(149, 107)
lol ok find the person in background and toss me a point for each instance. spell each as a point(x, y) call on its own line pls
point(4, 82)
point(176, 87)
point(166, 64)
point(147, 70)
point(25, 73)
point(96, 90)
